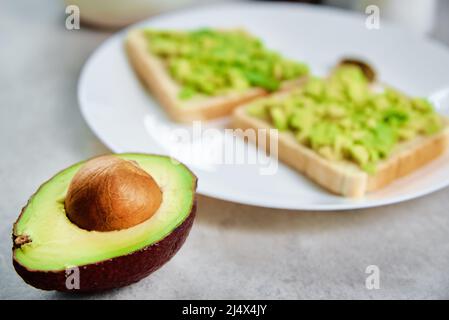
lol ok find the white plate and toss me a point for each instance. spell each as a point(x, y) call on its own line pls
point(127, 119)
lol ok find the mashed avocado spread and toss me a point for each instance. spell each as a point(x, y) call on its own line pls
point(210, 62)
point(342, 118)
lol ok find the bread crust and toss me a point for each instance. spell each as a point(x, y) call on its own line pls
point(343, 177)
point(152, 71)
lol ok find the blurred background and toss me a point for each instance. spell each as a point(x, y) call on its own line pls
point(422, 16)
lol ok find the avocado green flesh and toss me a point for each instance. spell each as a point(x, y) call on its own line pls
point(210, 62)
point(343, 119)
point(57, 243)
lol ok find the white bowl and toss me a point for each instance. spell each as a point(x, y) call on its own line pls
point(119, 13)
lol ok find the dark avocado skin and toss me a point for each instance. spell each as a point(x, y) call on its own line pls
point(116, 272)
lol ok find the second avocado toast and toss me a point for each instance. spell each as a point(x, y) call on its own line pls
point(346, 136)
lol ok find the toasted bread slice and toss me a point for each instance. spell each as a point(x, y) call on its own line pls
point(154, 74)
point(344, 177)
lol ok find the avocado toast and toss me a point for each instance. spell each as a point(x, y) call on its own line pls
point(204, 73)
point(345, 134)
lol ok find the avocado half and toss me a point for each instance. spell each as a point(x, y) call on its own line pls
point(52, 244)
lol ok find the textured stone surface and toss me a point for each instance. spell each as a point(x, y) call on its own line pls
point(234, 251)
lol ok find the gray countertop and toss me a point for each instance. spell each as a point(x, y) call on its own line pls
point(234, 251)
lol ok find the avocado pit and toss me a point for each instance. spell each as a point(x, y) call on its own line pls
point(109, 193)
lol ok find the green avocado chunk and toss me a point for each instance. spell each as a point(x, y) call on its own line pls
point(211, 62)
point(54, 243)
point(343, 119)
